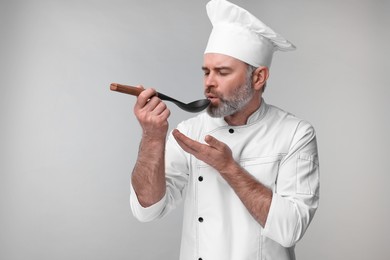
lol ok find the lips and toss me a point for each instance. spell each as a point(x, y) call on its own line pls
point(214, 99)
point(210, 96)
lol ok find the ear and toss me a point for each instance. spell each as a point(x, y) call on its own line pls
point(259, 78)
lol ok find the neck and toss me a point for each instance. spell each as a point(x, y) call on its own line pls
point(241, 117)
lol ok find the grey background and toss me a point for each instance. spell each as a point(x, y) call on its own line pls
point(68, 144)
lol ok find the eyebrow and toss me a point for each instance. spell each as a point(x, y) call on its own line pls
point(217, 68)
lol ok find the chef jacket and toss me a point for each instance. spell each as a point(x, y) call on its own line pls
point(279, 150)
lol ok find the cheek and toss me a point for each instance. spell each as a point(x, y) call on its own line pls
point(231, 90)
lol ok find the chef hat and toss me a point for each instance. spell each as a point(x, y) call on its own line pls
point(239, 34)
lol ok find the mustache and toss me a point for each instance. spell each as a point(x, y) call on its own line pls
point(209, 91)
point(221, 97)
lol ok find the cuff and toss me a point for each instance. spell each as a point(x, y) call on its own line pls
point(145, 214)
point(281, 222)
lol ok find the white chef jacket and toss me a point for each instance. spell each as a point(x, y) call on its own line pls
point(279, 150)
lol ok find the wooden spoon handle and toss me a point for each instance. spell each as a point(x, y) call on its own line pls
point(126, 89)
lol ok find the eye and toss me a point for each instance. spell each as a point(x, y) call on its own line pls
point(223, 72)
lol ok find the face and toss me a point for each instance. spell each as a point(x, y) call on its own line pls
point(227, 84)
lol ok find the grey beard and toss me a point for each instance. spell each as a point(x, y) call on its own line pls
point(240, 98)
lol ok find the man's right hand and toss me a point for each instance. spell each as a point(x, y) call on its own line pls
point(152, 114)
point(148, 177)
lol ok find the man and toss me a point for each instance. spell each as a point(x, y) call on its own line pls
point(246, 171)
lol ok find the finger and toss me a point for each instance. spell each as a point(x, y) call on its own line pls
point(213, 142)
point(185, 147)
point(180, 139)
point(140, 86)
point(186, 143)
point(180, 142)
point(160, 107)
point(145, 96)
point(152, 104)
point(165, 114)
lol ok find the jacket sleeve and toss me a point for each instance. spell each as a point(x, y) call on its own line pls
point(296, 194)
point(176, 176)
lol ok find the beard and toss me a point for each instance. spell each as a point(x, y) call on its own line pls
point(230, 105)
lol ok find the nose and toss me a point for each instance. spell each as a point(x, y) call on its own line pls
point(209, 80)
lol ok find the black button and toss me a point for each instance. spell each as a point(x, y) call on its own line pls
point(200, 178)
point(200, 219)
point(231, 130)
point(200, 258)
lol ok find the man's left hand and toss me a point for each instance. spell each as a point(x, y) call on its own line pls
point(215, 153)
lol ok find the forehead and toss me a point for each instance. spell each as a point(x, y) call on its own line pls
point(216, 60)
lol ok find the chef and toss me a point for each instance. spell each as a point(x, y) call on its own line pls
point(246, 171)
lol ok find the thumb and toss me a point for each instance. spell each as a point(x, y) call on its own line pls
point(214, 142)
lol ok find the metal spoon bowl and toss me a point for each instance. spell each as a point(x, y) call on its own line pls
point(193, 107)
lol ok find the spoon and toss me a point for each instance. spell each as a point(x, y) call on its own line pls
point(195, 106)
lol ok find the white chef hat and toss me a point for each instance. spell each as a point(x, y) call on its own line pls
point(239, 34)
